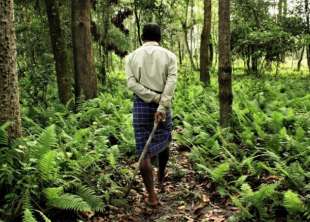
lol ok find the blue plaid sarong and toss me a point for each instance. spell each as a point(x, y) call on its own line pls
point(143, 120)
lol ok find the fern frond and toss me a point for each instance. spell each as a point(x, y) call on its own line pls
point(69, 201)
point(53, 192)
point(292, 202)
point(113, 155)
point(26, 200)
point(246, 189)
point(45, 218)
point(48, 166)
point(91, 198)
point(220, 171)
point(4, 139)
point(46, 141)
point(265, 191)
point(28, 216)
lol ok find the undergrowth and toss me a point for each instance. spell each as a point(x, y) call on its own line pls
point(77, 161)
point(261, 164)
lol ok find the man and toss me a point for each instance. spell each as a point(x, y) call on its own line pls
point(152, 74)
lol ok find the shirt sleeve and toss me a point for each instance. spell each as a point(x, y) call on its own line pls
point(166, 96)
point(141, 91)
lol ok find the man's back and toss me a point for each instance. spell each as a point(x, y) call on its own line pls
point(150, 65)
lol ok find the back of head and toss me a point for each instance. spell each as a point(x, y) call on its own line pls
point(151, 32)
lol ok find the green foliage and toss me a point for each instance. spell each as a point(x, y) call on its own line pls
point(292, 202)
point(28, 216)
point(91, 198)
point(69, 202)
point(269, 138)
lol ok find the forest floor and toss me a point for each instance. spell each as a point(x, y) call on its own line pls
point(187, 198)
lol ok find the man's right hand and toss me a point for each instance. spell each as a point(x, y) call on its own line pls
point(160, 116)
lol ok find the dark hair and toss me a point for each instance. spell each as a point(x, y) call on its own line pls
point(151, 32)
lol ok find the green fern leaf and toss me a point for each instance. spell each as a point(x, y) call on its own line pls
point(292, 202)
point(48, 166)
point(28, 216)
point(265, 191)
point(4, 138)
point(53, 192)
point(113, 155)
point(45, 218)
point(220, 171)
point(91, 198)
point(69, 202)
point(46, 141)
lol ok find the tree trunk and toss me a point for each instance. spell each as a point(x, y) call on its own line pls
point(211, 52)
point(300, 58)
point(137, 18)
point(280, 9)
point(285, 8)
point(60, 51)
point(308, 31)
point(9, 92)
point(180, 52)
point(205, 53)
point(191, 33)
point(225, 70)
point(185, 31)
point(85, 76)
point(188, 48)
point(106, 26)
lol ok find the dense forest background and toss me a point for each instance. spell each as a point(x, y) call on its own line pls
point(241, 141)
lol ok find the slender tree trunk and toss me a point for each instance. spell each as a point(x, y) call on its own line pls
point(60, 51)
point(185, 31)
point(285, 8)
point(180, 52)
point(106, 25)
point(205, 55)
point(225, 70)
point(9, 92)
point(137, 18)
point(280, 9)
point(191, 33)
point(188, 48)
point(85, 76)
point(300, 58)
point(308, 31)
point(211, 52)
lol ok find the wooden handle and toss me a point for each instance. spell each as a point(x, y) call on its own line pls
point(142, 156)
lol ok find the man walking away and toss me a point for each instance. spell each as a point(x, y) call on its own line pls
point(152, 74)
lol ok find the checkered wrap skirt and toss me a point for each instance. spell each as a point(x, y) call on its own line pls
point(143, 120)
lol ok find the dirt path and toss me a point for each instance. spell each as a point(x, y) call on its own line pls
point(185, 199)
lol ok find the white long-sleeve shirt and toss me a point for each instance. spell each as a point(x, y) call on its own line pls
point(152, 74)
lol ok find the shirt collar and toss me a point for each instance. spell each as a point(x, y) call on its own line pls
point(151, 43)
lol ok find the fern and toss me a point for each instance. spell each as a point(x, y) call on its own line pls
point(91, 198)
point(292, 202)
point(48, 166)
point(53, 192)
point(113, 155)
point(69, 202)
point(4, 139)
point(45, 218)
point(45, 142)
point(220, 171)
point(28, 216)
point(265, 191)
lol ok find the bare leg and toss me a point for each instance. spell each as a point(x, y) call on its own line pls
point(146, 170)
point(163, 158)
